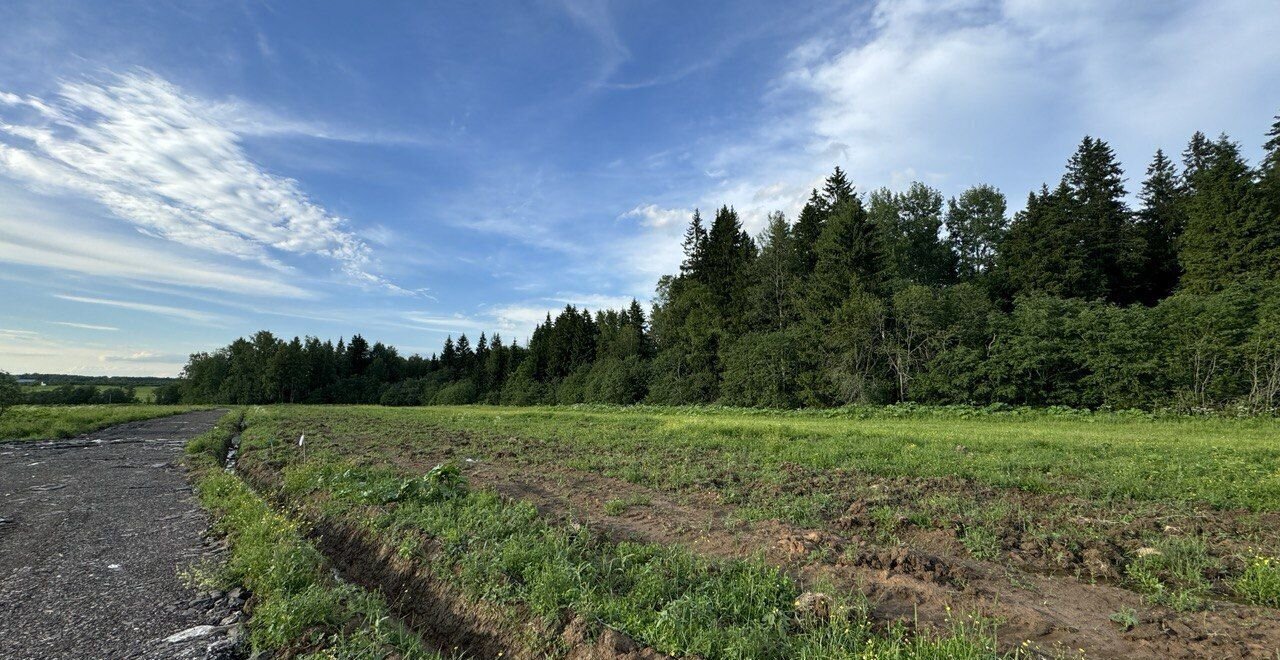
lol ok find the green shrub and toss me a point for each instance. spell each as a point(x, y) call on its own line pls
point(463, 392)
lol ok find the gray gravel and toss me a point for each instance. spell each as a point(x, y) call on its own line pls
point(93, 532)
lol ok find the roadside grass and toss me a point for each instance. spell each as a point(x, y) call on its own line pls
point(53, 422)
point(666, 597)
point(298, 608)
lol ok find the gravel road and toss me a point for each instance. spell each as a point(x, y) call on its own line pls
point(93, 531)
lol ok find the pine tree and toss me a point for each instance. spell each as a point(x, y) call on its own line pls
point(1161, 220)
point(1195, 157)
point(1041, 252)
point(806, 232)
point(449, 358)
point(729, 253)
point(1266, 224)
point(848, 256)
point(1215, 250)
point(357, 355)
point(695, 248)
point(837, 190)
point(1113, 249)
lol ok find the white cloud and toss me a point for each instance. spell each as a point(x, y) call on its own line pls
point(144, 357)
point(960, 92)
point(73, 248)
point(593, 301)
point(85, 326)
point(652, 215)
point(149, 308)
point(173, 166)
point(26, 352)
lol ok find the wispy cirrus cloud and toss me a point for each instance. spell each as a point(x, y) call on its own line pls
point(173, 166)
point(85, 326)
point(163, 310)
point(75, 249)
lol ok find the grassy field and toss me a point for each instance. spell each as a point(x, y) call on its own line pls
point(700, 531)
point(144, 393)
point(50, 422)
point(1225, 463)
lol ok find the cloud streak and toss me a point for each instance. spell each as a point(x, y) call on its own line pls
point(163, 310)
point(174, 167)
point(85, 326)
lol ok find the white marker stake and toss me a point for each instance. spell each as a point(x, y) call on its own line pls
point(302, 444)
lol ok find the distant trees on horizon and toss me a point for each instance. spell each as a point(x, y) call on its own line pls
point(887, 296)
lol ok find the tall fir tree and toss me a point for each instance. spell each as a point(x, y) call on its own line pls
point(1215, 248)
point(848, 253)
point(695, 247)
point(1080, 240)
point(807, 230)
point(836, 190)
point(1161, 220)
point(1195, 157)
point(729, 253)
point(1113, 249)
point(1267, 221)
point(775, 288)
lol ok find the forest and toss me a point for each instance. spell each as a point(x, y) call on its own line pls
point(1079, 299)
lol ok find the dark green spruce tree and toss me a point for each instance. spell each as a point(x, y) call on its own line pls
point(1215, 248)
point(1161, 220)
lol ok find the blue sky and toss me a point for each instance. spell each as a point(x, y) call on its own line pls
point(177, 174)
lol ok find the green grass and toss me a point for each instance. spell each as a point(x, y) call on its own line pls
point(1103, 457)
point(1174, 573)
point(1259, 584)
point(667, 597)
point(50, 422)
point(297, 606)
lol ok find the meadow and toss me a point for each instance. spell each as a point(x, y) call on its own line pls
point(53, 422)
point(876, 532)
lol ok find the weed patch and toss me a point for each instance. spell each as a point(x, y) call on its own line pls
point(1259, 584)
point(1172, 572)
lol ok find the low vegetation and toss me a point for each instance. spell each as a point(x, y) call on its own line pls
point(298, 609)
point(1033, 492)
point(25, 422)
point(668, 598)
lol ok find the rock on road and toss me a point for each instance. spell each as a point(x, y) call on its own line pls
point(93, 532)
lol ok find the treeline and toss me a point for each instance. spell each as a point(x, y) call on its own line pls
point(1077, 300)
point(104, 381)
point(81, 395)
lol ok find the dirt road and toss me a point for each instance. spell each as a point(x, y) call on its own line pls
point(92, 533)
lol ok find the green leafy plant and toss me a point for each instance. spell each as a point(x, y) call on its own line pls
point(1126, 618)
point(1259, 584)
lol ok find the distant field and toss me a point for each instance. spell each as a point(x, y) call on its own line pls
point(1064, 530)
point(49, 422)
